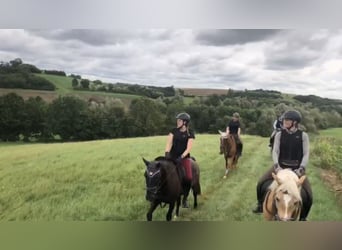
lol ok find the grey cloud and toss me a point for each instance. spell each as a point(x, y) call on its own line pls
point(233, 77)
point(92, 37)
point(233, 37)
point(99, 37)
point(289, 62)
point(294, 50)
point(181, 57)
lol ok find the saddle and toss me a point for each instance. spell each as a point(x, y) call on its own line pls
point(292, 164)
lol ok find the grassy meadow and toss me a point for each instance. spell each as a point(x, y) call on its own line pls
point(103, 180)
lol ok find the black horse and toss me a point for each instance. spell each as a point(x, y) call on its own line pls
point(164, 184)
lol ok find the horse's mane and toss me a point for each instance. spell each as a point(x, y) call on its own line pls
point(288, 182)
point(163, 158)
point(160, 158)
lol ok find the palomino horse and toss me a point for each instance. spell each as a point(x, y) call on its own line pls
point(164, 185)
point(229, 151)
point(283, 201)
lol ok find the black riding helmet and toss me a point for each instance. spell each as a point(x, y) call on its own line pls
point(184, 117)
point(293, 115)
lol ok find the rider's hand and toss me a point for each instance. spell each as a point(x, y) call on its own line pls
point(276, 168)
point(179, 160)
point(300, 171)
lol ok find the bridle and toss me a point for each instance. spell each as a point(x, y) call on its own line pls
point(274, 208)
point(155, 189)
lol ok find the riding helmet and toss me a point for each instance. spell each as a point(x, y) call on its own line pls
point(183, 116)
point(292, 115)
point(236, 115)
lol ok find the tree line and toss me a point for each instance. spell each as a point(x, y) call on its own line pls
point(123, 88)
point(16, 74)
point(69, 118)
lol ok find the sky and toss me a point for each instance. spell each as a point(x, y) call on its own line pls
point(295, 61)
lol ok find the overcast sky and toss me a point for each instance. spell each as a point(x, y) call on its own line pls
point(291, 61)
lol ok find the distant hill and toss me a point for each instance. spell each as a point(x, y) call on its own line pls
point(24, 79)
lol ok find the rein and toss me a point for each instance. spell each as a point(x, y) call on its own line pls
point(273, 204)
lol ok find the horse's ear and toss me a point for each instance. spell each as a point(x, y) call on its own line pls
point(275, 177)
point(223, 134)
point(146, 161)
point(301, 180)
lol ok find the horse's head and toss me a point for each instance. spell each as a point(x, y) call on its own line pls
point(287, 200)
point(228, 142)
point(153, 179)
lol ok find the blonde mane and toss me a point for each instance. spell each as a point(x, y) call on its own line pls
point(286, 190)
point(286, 181)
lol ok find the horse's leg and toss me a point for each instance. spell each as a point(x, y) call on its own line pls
point(186, 188)
point(150, 211)
point(194, 193)
point(177, 206)
point(169, 212)
point(227, 167)
point(235, 161)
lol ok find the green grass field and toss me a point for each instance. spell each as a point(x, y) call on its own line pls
point(103, 180)
point(333, 132)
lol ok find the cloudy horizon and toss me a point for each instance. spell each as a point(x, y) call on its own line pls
point(290, 61)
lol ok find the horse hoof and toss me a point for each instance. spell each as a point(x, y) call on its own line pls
point(175, 217)
point(225, 177)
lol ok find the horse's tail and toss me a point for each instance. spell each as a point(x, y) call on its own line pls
point(196, 186)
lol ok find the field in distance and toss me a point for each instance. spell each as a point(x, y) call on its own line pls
point(204, 92)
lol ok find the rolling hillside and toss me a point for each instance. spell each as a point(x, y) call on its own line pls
point(64, 87)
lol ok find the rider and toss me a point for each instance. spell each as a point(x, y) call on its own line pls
point(234, 129)
point(178, 147)
point(291, 150)
point(277, 126)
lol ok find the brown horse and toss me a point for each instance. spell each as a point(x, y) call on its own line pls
point(164, 185)
point(229, 151)
point(283, 201)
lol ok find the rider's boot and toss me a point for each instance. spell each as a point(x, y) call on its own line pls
point(258, 208)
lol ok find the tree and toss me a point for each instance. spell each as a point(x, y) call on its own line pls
point(146, 118)
point(16, 62)
point(66, 117)
point(35, 112)
point(85, 83)
point(11, 117)
point(264, 123)
point(74, 83)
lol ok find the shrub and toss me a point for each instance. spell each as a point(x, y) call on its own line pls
point(329, 152)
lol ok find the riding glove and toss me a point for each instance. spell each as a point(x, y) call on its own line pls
point(300, 171)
